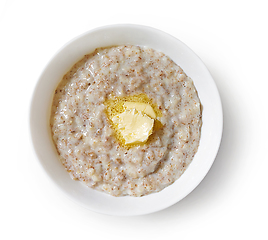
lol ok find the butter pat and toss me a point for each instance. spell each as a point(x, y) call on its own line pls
point(143, 107)
point(134, 126)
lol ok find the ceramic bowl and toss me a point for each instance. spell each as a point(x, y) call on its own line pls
point(73, 51)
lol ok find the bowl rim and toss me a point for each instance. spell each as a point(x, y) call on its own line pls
point(219, 118)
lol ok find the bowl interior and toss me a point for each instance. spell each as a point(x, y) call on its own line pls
point(119, 35)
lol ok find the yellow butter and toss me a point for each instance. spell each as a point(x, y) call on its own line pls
point(134, 126)
point(143, 107)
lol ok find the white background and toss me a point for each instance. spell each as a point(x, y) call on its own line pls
point(229, 36)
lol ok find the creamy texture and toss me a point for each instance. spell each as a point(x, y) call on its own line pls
point(85, 138)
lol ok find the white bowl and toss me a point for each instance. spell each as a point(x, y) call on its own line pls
point(118, 35)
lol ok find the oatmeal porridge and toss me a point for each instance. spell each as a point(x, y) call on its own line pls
point(126, 120)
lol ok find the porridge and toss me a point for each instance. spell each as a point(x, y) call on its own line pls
point(126, 120)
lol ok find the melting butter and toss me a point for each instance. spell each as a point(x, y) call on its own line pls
point(143, 107)
point(134, 126)
point(141, 103)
